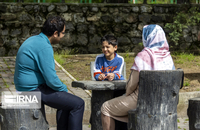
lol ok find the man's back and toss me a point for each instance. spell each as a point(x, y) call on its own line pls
point(34, 60)
point(27, 73)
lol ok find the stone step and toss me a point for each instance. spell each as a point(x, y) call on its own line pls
point(183, 102)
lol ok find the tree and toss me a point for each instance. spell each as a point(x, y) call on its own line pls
point(145, 2)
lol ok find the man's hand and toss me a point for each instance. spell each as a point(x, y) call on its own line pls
point(110, 76)
point(102, 77)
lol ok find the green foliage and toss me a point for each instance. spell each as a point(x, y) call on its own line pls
point(73, 51)
point(7, 86)
point(59, 58)
point(140, 44)
point(186, 83)
point(65, 53)
point(54, 1)
point(183, 20)
point(186, 119)
point(183, 57)
point(87, 1)
point(127, 55)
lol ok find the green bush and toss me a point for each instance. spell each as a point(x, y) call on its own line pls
point(182, 20)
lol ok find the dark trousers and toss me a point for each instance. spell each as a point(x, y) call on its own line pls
point(69, 107)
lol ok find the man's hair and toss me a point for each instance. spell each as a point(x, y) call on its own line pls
point(52, 24)
point(111, 39)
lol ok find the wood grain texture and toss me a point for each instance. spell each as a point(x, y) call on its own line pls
point(194, 113)
point(157, 101)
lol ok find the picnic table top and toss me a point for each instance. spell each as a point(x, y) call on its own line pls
point(100, 85)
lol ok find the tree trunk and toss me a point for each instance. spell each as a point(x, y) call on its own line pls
point(194, 113)
point(157, 101)
point(98, 98)
point(20, 0)
point(145, 2)
point(23, 119)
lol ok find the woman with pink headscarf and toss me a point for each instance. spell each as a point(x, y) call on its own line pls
point(154, 56)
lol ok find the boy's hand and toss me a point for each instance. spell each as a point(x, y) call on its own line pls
point(110, 76)
point(102, 77)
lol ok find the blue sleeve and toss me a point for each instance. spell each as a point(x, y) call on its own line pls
point(117, 77)
point(96, 77)
point(46, 65)
point(118, 70)
point(97, 69)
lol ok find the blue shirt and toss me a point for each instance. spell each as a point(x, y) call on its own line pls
point(35, 65)
point(102, 65)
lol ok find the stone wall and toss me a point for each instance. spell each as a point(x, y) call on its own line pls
point(86, 24)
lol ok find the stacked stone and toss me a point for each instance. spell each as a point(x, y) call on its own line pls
point(86, 24)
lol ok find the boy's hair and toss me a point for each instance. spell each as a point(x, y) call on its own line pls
point(111, 39)
point(52, 24)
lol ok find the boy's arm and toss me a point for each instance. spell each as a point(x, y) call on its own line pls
point(96, 69)
point(118, 70)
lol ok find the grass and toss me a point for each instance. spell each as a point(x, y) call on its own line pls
point(181, 58)
point(59, 58)
point(186, 119)
point(79, 65)
point(186, 82)
point(69, 62)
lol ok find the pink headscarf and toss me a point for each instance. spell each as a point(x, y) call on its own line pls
point(155, 55)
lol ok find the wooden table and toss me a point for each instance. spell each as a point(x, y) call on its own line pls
point(101, 92)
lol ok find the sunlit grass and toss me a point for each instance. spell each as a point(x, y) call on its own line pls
point(59, 58)
point(79, 66)
point(181, 58)
point(186, 83)
point(186, 119)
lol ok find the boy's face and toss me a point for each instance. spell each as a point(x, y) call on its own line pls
point(108, 50)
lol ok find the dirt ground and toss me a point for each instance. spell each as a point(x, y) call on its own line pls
point(79, 67)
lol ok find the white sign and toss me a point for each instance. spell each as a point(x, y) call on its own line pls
point(20, 100)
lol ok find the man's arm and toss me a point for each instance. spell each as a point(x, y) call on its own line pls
point(46, 64)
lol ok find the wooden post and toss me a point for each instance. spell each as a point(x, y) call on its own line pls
point(157, 101)
point(23, 119)
point(194, 113)
point(98, 98)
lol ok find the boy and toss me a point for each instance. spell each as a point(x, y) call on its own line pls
point(108, 66)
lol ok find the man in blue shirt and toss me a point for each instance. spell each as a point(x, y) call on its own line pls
point(35, 71)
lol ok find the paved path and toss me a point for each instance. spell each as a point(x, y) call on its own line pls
point(7, 65)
